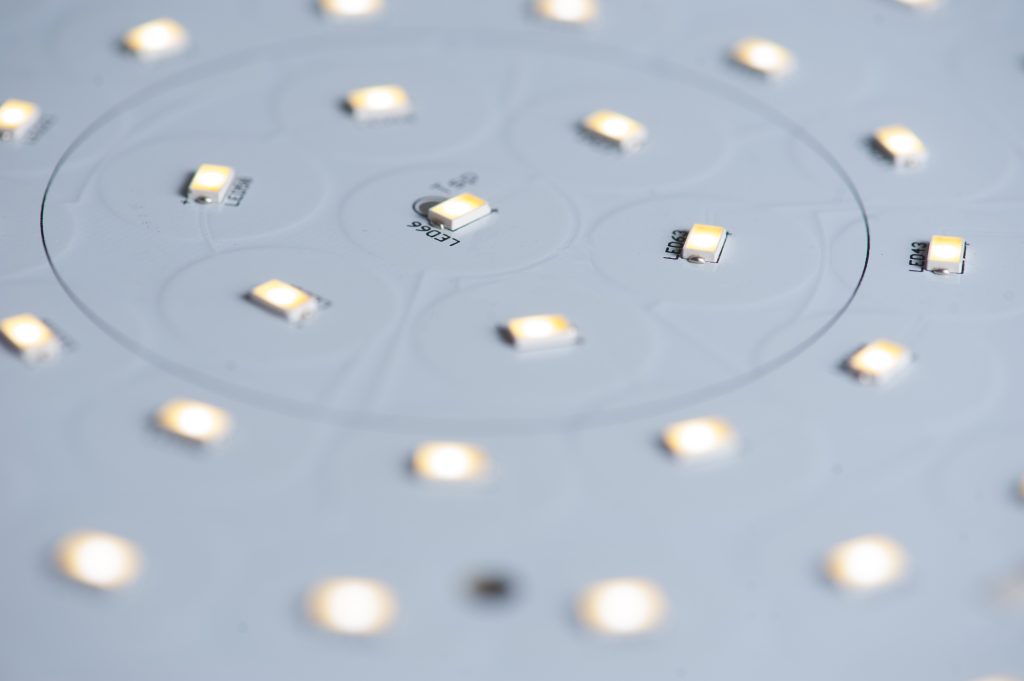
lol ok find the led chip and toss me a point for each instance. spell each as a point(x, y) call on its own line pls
point(17, 118)
point(156, 39)
point(282, 298)
point(879, 361)
point(351, 8)
point(197, 422)
point(622, 607)
point(449, 461)
point(98, 559)
point(459, 211)
point(567, 11)
point(919, 4)
point(30, 337)
point(700, 439)
point(211, 183)
point(764, 57)
point(899, 143)
point(866, 563)
point(352, 606)
point(379, 103)
point(704, 243)
point(946, 255)
point(541, 332)
point(625, 133)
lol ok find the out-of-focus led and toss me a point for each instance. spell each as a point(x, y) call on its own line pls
point(17, 117)
point(156, 39)
point(459, 211)
point(866, 563)
point(351, 8)
point(879, 361)
point(541, 332)
point(194, 421)
point(31, 337)
point(700, 438)
point(449, 461)
point(622, 607)
point(98, 559)
point(352, 606)
point(946, 255)
point(211, 183)
point(379, 103)
point(282, 298)
point(567, 11)
point(903, 147)
point(764, 57)
point(704, 243)
point(620, 130)
point(919, 4)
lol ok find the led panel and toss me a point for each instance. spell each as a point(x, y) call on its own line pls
point(17, 118)
point(625, 133)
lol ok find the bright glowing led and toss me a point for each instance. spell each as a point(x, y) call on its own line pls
point(282, 298)
point(946, 255)
point(156, 39)
point(567, 11)
point(31, 337)
point(98, 559)
point(449, 461)
point(879, 361)
point(622, 607)
point(459, 211)
point(379, 103)
point(622, 131)
point(997, 677)
point(17, 118)
point(919, 4)
point(700, 438)
point(194, 421)
point(351, 8)
point(704, 243)
point(904, 148)
point(352, 606)
point(764, 57)
point(541, 332)
point(866, 563)
point(211, 183)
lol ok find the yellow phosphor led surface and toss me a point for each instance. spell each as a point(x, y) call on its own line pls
point(919, 4)
point(352, 606)
point(282, 298)
point(865, 563)
point(567, 11)
point(156, 39)
point(700, 438)
point(622, 607)
point(98, 559)
point(17, 118)
point(379, 103)
point(351, 8)
point(541, 332)
point(879, 361)
point(211, 183)
point(946, 255)
point(449, 461)
point(31, 337)
point(625, 133)
point(903, 147)
point(194, 421)
point(764, 56)
point(459, 211)
point(704, 243)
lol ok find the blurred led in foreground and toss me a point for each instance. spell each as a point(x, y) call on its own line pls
point(352, 606)
point(379, 103)
point(866, 563)
point(459, 211)
point(210, 183)
point(30, 337)
point(285, 300)
point(98, 559)
point(946, 255)
point(764, 57)
point(194, 421)
point(879, 362)
point(700, 438)
point(156, 39)
point(704, 243)
point(617, 129)
point(449, 462)
point(622, 607)
point(351, 8)
point(541, 332)
point(919, 4)
point(901, 145)
point(567, 11)
point(17, 118)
